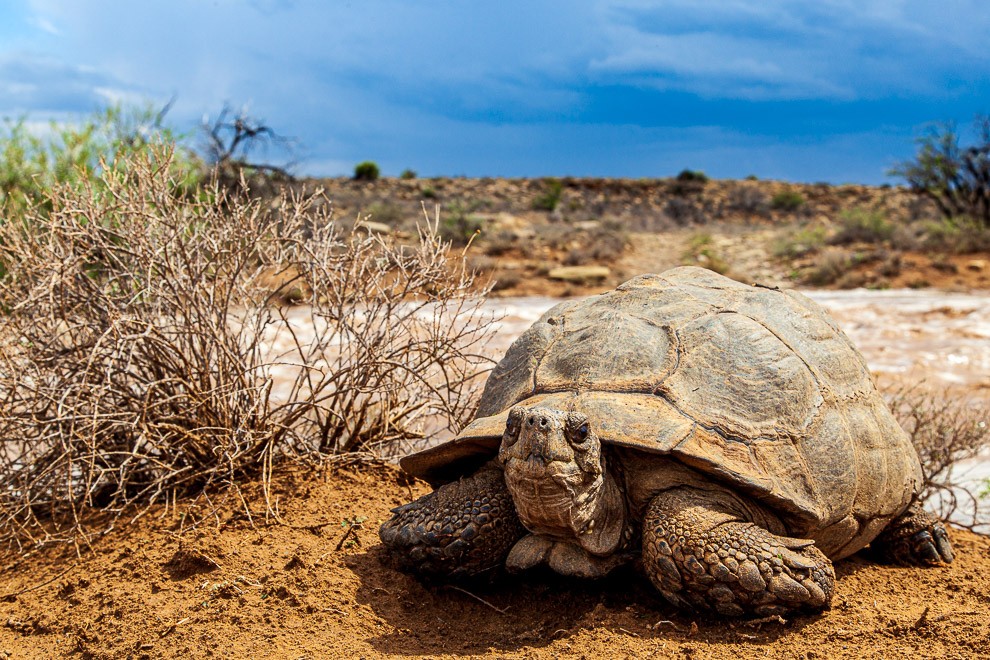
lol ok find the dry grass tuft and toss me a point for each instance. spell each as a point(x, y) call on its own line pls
point(946, 430)
point(144, 357)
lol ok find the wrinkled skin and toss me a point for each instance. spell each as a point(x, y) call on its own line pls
point(551, 497)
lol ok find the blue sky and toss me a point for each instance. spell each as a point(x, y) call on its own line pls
point(832, 90)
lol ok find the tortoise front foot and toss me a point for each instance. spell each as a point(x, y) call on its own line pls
point(915, 538)
point(702, 556)
point(460, 530)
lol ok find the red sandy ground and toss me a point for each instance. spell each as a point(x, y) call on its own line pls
point(306, 587)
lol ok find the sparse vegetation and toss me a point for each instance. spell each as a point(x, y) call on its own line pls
point(946, 429)
point(701, 251)
point(955, 177)
point(459, 224)
point(959, 235)
point(800, 242)
point(696, 176)
point(76, 155)
point(386, 212)
point(407, 174)
point(231, 141)
point(366, 171)
point(861, 225)
point(747, 198)
point(829, 266)
point(787, 200)
point(603, 244)
point(550, 198)
point(140, 345)
point(688, 182)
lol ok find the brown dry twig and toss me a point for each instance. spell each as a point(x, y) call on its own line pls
point(946, 429)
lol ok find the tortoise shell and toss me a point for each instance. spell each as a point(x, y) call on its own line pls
point(754, 387)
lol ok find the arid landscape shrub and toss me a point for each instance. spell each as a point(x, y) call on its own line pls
point(861, 225)
point(366, 171)
point(955, 177)
point(959, 235)
point(946, 430)
point(787, 200)
point(76, 154)
point(828, 267)
point(701, 251)
point(144, 358)
point(549, 199)
point(799, 242)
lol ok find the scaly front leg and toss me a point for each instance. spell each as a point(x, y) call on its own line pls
point(460, 530)
point(702, 553)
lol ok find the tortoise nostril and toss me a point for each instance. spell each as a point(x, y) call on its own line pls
point(543, 422)
point(531, 420)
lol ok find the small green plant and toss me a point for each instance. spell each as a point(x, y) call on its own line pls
point(459, 224)
point(787, 200)
point(861, 225)
point(407, 174)
point(366, 171)
point(550, 198)
point(958, 235)
point(688, 182)
point(428, 192)
point(800, 242)
point(696, 176)
point(701, 251)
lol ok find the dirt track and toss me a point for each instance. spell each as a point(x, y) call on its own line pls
point(308, 587)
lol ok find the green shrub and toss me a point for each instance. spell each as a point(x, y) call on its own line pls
point(366, 171)
point(428, 193)
point(407, 174)
point(800, 242)
point(692, 175)
point(550, 198)
point(959, 235)
point(76, 155)
point(787, 200)
point(860, 225)
point(701, 251)
point(688, 182)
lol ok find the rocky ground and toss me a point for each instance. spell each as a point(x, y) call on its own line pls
point(312, 585)
point(600, 232)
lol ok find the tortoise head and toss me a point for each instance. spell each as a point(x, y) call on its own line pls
point(554, 470)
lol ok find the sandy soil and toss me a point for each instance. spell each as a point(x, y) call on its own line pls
point(314, 586)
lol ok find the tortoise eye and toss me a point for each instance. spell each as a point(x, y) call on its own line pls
point(583, 431)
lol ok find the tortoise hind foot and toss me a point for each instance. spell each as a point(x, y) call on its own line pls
point(460, 530)
point(703, 556)
point(915, 538)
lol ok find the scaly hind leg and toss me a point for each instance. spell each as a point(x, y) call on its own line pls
point(461, 529)
point(914, 538)
point(702, 553)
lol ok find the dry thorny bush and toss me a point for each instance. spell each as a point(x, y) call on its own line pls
point(145, 358)
point(947, 430)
